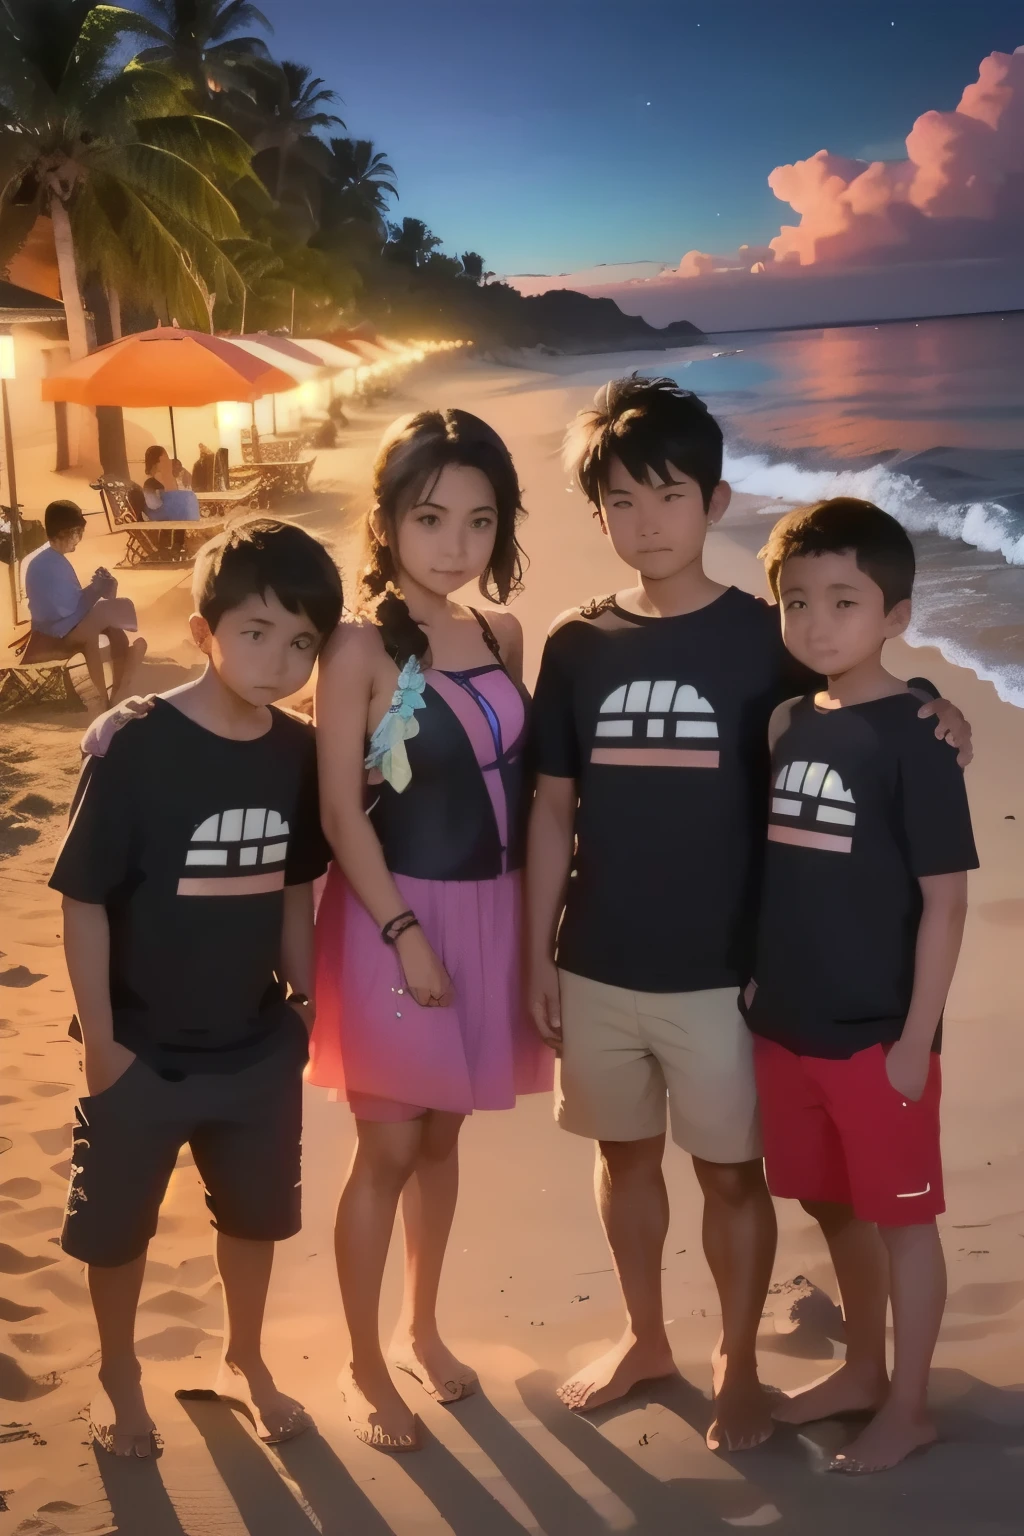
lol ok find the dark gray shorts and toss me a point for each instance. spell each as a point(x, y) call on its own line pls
point(245, 1132)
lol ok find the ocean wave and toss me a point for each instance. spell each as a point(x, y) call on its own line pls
point(987, 525)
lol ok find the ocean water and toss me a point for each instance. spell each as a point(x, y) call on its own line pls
point(924, 418)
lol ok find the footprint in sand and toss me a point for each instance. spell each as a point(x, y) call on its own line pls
point(52, 1142)
point(21, 1189)
point(173, 1304)
point(57, 1342)
point(177, 1343)
point(9, 1098)
point(14, 1312)
point(5, 1143)
point(49, 1090)
point(190, 1273)
point(63, 1168)
point(14, 1262)
point(20, 976)
point(9, 1205)
point(15, 834)
point(18, 1387)
point(71, 1292)
point(45, 1218)
point(35, 805)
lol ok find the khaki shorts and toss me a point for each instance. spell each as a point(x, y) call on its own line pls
point(626, 1056)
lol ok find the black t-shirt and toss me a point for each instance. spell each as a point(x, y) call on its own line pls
point(864, 803)
point(663, 723)
point(188, 839)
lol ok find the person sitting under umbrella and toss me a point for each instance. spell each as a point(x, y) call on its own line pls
point(168, 488)
point(76, 616)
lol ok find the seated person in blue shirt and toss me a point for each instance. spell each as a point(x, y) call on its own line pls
point(168, 489)
point(78, 616)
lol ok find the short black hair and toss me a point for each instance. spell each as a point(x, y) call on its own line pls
point(840, 526)
point(61, 516)
point(649, 425)
point(261, 555)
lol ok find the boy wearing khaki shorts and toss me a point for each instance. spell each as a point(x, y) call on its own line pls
point(651, 717)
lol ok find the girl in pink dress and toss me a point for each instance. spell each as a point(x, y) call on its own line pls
point(421, 724)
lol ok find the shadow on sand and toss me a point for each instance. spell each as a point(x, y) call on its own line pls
point(971, 1482)
point(137, 1496)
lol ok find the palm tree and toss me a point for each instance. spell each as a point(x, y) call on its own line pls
point(125, 170)
point(198, 40)
point(359, 182)
point(411, 243)
point(291, 110)
point(473, 265)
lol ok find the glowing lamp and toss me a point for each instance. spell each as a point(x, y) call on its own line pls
point(230, 416)
point(7, 368)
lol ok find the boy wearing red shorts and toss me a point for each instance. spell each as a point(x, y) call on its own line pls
point(863, 906)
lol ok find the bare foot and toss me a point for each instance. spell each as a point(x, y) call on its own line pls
point(892, 1436)
point(130, 675)
point(848, 1390)
point(431, 1362)
point(253, 1388)
point(377, 1411)
point(616, 1373)
point(743, 1408)
point(119, 1420)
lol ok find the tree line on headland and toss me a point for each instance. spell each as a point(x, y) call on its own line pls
point(191, 176)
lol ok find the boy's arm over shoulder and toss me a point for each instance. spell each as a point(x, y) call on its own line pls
point(935, 809)
point(96, 853)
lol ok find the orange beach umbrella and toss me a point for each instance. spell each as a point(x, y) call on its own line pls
point(167, 367)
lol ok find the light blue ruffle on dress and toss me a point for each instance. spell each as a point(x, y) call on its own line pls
point(387, 744)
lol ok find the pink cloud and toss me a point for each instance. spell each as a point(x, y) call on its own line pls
point(959, 195)
point(960, 192)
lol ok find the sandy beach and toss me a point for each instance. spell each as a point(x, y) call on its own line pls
point(529, 1292)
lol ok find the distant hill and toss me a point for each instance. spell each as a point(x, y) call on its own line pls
point(496, 315)
point(575, 322)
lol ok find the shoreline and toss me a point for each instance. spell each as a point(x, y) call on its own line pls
point(530, 1296)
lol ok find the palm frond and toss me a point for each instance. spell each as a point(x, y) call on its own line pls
point(210, 145)
point(238, 13)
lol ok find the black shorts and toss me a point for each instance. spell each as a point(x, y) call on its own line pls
point(245, 1132)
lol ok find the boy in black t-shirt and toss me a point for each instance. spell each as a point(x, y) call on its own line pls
point(862, 912)
point(187, 877)
point(646, 836)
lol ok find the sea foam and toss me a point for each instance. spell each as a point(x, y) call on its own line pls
point(986, 525)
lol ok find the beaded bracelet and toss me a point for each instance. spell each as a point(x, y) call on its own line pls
point(398, 925)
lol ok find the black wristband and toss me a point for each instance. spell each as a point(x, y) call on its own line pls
point(398, 925)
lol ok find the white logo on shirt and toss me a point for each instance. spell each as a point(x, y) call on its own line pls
point(670, 716)
point(247, 848)
point(813, 792)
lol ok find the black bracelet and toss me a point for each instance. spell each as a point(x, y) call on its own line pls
point(398, 925)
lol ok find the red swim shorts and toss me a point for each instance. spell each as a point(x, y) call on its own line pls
point(838, 1131)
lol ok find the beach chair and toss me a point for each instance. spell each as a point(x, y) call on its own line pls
point(151, 543)
point(275, 450)
point(295, 473)
point(39, 674)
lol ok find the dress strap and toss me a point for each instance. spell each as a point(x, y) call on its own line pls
point(490, 638)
